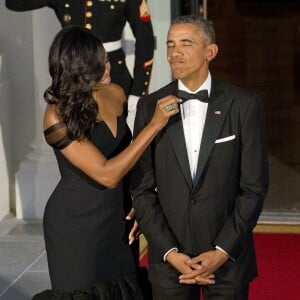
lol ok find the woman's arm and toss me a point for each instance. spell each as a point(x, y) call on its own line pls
point(108, 172)
point(23, 5)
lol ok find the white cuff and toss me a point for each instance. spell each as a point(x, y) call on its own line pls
point(219, 248)
point(172, 249)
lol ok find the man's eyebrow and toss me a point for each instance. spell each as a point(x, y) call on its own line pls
point(182, 41)
point(186, 41)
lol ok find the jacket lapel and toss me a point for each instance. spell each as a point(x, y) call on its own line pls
point(175, 133)
point(217, 110)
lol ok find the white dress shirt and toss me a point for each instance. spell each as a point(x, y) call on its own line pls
point(193, 114)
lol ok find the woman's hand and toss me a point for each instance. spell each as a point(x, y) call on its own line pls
point(134, 233)
point(165, 108)
point(134, 230)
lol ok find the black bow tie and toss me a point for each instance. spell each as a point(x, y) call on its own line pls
point(202, 95)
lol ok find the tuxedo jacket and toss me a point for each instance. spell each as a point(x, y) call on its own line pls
point(221, 206)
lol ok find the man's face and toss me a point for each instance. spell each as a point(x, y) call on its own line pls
point(187, 52)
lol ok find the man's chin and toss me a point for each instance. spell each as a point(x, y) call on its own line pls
point(177, 74)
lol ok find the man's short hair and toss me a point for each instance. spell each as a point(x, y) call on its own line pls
point(203, 25)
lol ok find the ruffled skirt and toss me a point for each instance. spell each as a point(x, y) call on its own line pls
point(125, 287)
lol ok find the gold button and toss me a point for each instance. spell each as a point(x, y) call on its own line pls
point(88, 26)
point(120, 62)
point(89, 3)
point(147, 73)
point(143, 93)
point(67, 18)
point(88, 14)
point(67, 5)
point(146, 82)
point(112, 7)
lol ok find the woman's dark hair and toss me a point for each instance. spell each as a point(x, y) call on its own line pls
point(76, 64)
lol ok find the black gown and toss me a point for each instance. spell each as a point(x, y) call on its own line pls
point(84, 228)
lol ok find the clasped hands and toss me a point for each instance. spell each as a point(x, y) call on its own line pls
point(199, 269)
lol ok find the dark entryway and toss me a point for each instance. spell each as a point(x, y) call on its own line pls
point(259, 49)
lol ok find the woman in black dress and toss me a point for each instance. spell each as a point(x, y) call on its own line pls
point(84, 227)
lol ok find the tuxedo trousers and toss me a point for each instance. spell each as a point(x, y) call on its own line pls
point(209, 292)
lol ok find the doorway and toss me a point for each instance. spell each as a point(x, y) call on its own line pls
point(259, 50)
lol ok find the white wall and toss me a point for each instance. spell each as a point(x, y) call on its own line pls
point(16, 43)
point(38, 173)
point(24, 39)
point(16, 98)
point(5, 138)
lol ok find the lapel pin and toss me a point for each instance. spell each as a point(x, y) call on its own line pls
point(217, 112)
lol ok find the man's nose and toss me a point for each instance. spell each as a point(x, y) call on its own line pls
point(176, 52)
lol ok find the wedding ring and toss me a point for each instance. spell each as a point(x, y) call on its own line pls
point(171, 107)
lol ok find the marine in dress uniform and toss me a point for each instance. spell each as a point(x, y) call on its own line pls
point(107, 19)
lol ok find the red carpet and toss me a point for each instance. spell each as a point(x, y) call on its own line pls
point(278, 259)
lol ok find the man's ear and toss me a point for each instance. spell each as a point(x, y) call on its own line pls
point(211, 52)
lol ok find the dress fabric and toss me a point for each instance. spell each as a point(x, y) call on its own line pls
point(84, 225)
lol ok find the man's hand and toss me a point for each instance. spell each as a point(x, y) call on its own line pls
point(204, 266)
point(178, 262)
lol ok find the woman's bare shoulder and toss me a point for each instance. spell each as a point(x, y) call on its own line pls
point(50, 116)
point(116, 96)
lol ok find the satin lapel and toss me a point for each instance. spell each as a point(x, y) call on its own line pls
point(217, 110)
point(176, 135)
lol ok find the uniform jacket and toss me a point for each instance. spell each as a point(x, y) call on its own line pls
point(107, 19)
point(222, 205)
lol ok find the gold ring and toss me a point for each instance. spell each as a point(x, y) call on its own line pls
point(171, 107)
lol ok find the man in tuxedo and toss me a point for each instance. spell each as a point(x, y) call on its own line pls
point(199, 188)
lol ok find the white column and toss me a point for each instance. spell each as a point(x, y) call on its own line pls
point(38, 173)
point(161, 18)
point(5, 138)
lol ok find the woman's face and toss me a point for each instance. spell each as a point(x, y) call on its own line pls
point(106, 76)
